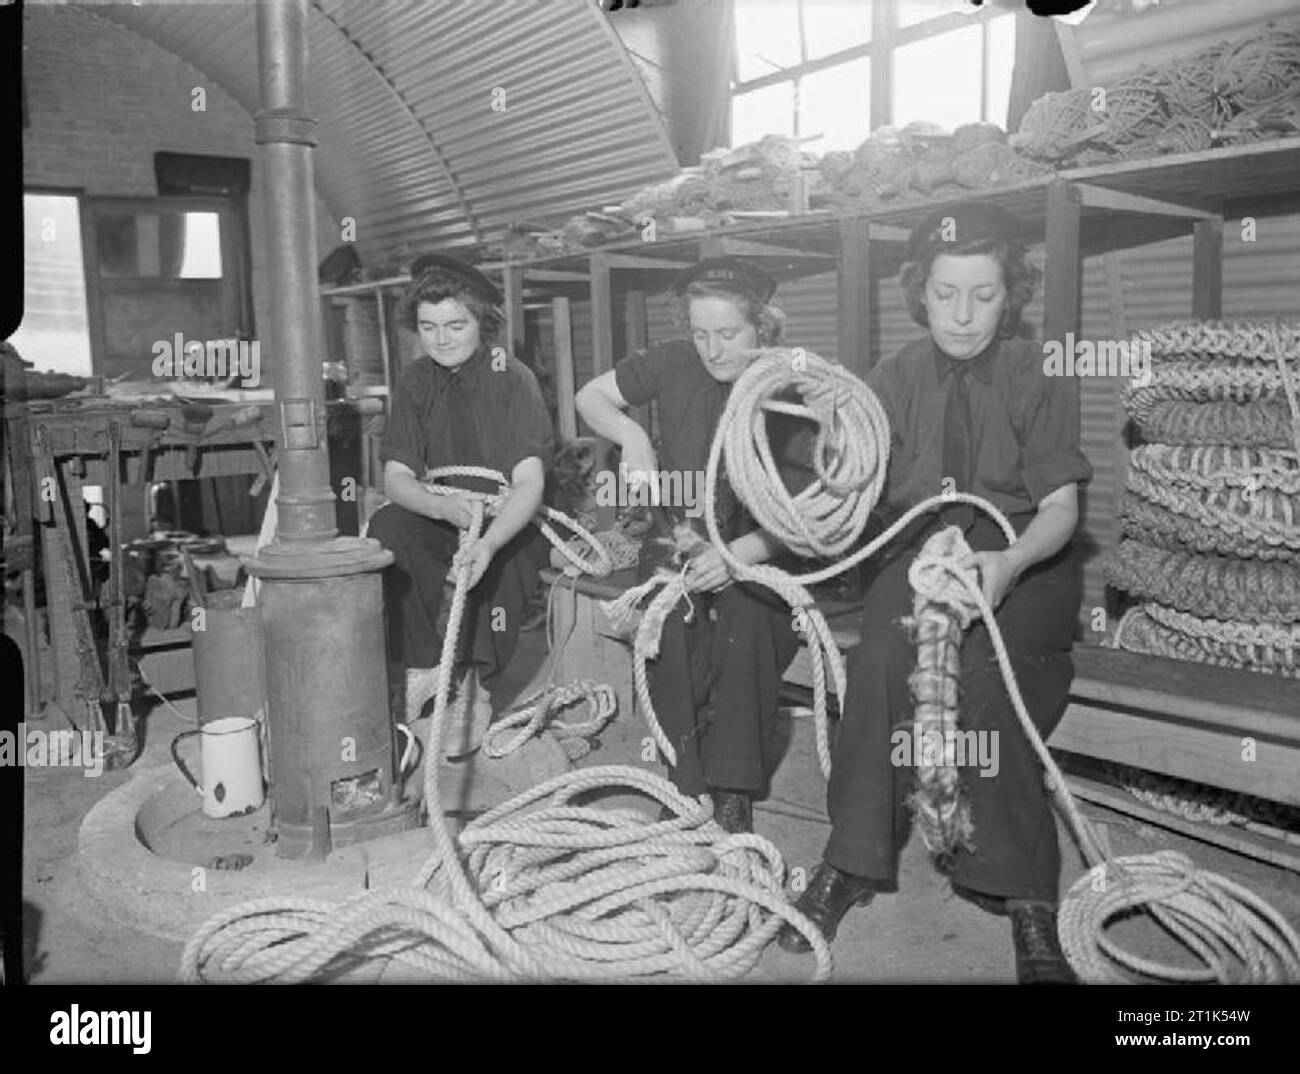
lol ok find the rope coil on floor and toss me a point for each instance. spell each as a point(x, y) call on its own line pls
point(536, 889)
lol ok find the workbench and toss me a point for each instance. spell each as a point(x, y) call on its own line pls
point(76, 430)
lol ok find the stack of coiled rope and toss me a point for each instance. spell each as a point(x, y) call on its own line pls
point(1211, 519)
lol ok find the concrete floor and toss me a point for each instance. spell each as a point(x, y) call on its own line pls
point(922, 933)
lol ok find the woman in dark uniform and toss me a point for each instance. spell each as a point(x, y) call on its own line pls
point(716, 682)
point(464, 403)
point(970, 409)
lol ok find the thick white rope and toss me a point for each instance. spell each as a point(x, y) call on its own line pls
point(536, 889)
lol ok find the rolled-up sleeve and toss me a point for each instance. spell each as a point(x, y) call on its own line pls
point(528, 429)
point(404, 439)
point(1051, 453)
point(639, 375)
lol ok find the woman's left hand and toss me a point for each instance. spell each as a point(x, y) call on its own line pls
point(479, 555)
point(999, 571)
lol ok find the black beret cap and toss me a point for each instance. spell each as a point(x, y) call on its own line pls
point(464, 274)
point(971, 221)
point(728, 272)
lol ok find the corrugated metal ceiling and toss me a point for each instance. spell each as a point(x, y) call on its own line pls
point(402, 91)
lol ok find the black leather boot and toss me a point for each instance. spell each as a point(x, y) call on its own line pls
point(825, 902)
point(1039, 958)
point(733, 810)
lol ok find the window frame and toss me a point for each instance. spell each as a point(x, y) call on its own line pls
point(886, 36)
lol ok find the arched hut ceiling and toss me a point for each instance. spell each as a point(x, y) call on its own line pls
point(403, 91)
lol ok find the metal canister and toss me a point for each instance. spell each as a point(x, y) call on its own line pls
point(229, 660)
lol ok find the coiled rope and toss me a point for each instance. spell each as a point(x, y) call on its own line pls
point(1235, 935)
point(536, 889)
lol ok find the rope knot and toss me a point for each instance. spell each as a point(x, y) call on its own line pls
point(936, 578)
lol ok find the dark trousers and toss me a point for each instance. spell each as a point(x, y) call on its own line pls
point(1016, 852)
point(716, 687)
point(413, 593)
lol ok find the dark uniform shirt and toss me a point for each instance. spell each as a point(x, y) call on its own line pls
point(1024, 425)
point(691, 402)
point(473, 415)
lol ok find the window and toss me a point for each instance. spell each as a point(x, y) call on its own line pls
point(55, 330)
point(807, 68)
point(802, 69)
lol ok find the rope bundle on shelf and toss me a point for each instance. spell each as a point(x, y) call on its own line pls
point(1272, 648)
point(536, 889)
point(1211, 515)
point(1216, 587)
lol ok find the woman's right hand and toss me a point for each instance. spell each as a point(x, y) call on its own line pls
point(639, 459)
point(451, 507)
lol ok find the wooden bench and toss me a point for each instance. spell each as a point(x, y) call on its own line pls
point(1167, 716)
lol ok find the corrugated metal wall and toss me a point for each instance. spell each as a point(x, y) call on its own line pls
point(440, 124)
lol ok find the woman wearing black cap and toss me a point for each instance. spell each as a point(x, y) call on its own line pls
point(970, 409)
point(463, 403)
point(716, 682)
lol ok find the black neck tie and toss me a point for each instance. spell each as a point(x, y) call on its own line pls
point(958, 446)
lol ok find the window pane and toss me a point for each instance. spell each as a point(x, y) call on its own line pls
point(767, 37)
point(1002, 57)
point(836, 103)
point(910, 12)
point(171, 245)
point(769, 110)
point(832, 25)
point(202, 260)
point(55, 332)
point(938, 79)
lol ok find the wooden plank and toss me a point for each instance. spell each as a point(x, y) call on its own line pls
point(562, 328)
point(1197, 752)
point(854, 297)
point(631, 261)
point(1250, 841)
point(602, 316)
point(1207, 269)
point(749, 248)
point(1061, 274)
point(1100, 197)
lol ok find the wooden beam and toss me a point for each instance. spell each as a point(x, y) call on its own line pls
point(636, 337)
point(1100, 197)
point(602, 316)
point(1070, 52)
point(744, 248)
point(512, 288)
point(632, 261)
point(540, 275)
point(562, 328)
point(1061, 273)
point(886, 233)
point(1207, 269)
point(854, 305)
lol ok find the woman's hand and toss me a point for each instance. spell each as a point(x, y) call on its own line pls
point(640, 465)
point(999, 571)
point(478, 556)
point(707, 572)
point(451, 507)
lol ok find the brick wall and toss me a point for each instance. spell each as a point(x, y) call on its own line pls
point(102, 100)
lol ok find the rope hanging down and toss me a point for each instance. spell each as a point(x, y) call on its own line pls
point(1235, 935)
point(536, 889)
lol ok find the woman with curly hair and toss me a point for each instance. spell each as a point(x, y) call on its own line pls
point(717, 679)
point(462, 403)
point(971, 409)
